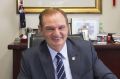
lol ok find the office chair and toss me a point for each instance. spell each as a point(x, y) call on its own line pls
point(35, 39)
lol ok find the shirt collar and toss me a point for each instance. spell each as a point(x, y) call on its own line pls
point(63, 51)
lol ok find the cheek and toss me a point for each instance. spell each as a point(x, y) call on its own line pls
point(47, 35)
point(65, 32)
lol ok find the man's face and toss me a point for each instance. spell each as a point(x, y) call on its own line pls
point(55, 30)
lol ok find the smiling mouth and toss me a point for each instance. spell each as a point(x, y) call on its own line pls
point(56, 38)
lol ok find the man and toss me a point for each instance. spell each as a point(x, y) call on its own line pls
point(78, 59)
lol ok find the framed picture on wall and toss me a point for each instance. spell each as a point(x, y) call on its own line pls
point(69, 6)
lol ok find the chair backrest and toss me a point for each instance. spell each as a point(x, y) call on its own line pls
point(35, 39)
point(76, 36)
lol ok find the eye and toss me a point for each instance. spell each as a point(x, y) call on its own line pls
point(61, 27)
point(49, 29)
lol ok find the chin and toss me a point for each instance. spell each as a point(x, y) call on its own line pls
point(57, 43)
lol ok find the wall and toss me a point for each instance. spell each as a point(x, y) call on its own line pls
point(9, 28)
point(8, 31)
point(109, 18)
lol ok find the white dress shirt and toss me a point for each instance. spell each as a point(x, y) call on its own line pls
point(65, 60)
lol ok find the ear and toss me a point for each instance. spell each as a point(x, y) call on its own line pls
point(69, 29)
point(39, 29)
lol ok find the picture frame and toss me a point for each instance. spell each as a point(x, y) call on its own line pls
point(88, 8)
point(91, 24)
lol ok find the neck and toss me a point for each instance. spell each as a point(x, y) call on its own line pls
point(57, 48)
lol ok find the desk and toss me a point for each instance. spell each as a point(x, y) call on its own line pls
point(109, 54)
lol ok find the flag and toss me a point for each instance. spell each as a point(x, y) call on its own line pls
point(22, 15)
point(22, 20)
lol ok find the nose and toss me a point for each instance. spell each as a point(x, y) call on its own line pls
point(56, 32)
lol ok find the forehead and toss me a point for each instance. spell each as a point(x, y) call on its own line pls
point(57, 14)
point(53, 18)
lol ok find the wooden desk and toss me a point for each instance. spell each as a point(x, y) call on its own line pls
point(109, 54)
point(17, 52)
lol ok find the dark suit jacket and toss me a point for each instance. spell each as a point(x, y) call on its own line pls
point(36, 62)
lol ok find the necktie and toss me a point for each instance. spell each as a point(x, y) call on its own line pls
point(60, 67)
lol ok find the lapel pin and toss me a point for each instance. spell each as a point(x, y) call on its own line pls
point(73, 58)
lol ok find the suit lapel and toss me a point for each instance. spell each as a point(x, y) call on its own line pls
point(76, 60)
point(46, 62)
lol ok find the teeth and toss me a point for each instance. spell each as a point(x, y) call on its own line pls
point(56, 38)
